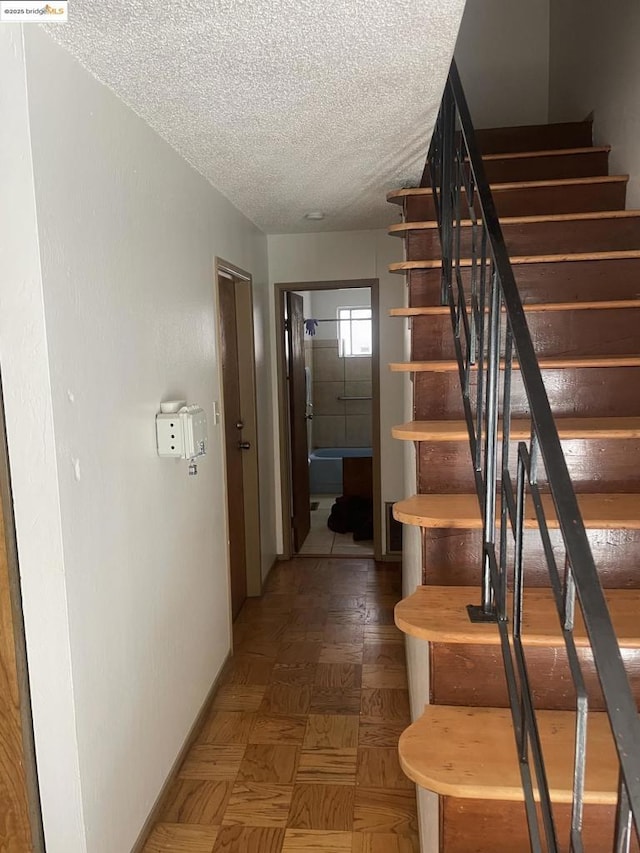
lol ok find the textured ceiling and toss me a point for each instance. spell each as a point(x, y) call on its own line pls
point(286, 106)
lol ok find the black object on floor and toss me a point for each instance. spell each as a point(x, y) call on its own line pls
point(314, 505)
point(352, 515)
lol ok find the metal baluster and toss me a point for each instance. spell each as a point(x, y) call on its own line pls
point(518, 711)
point(480, 321)
point(473, 296)
point(462, 319)
point(569, 597)
point(624, 827)
point(435, 164)
point(457, 216)
point(582, 709)
point(518, 566)
point(526, 741)
point(534, 744)
point(491, 451)
point(506, 476)
point(485, 611)
point(579, 769)
point(429, 172)
point(423, 551)
point(448, 142)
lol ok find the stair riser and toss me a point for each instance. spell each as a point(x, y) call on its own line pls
point(554, 333)
point(543, 137)
point(540, 238)
point(452, 556)
point(547, 168)
point(595, 466)
point(480, 826)
point(580, 198)
point(552, 282)
point(572, 392)
point(473, 675)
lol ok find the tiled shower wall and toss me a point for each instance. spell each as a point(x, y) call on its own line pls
point(340, 423)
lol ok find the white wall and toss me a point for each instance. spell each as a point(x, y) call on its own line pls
point(502, 54)
point(123, 556)
point(339, 256)
point(25, 366)
point(595, 67)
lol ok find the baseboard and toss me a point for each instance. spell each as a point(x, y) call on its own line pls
point(277, 559)
point(194, 731)
point(385, 558)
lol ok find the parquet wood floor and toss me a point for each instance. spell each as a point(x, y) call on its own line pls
point(299, 748)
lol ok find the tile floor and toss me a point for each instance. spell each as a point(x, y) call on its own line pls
point(298, 750)
point(321, 540)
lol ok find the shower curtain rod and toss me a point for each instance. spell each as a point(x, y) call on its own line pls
point(336, 320)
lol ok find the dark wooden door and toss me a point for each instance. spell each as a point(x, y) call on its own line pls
point(233, 441)
point(16, 810)
point(301, 514)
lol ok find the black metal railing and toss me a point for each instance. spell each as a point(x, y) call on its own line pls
point(494, 349)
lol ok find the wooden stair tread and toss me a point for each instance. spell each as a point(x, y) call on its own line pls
point(438, 614)
point(558, 182)
point(599, 511)
point(400, 229)
point(557, 362)
point(568, 428)
point(434, 263)
point(549, 152)
point(529, 307)
point(398, 196)
point(471, 753)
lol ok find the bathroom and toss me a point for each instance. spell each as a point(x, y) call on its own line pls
point(338, 360)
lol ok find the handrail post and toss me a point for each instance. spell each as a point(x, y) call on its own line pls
point(446, 189)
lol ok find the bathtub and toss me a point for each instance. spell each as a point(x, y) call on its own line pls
point(325, 468)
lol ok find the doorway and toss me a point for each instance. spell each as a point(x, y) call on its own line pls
point(329, 417)
point(239, 416)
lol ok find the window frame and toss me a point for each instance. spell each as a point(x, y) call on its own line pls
point(349, 322)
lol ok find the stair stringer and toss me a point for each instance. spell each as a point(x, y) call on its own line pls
point(417, 650)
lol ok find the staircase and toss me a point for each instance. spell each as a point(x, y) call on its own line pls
point(575, 254)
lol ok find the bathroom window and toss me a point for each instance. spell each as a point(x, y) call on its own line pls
point(354, 331)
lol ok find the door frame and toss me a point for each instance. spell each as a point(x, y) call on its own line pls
point(243, 285)
point(281, 288)
point(16, 665)
point(298, 423)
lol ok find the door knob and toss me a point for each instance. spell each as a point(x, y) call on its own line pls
point(239, 424)
point(244, 445)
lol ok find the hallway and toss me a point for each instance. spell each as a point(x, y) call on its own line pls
point(322, 540)
point(299, 749)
